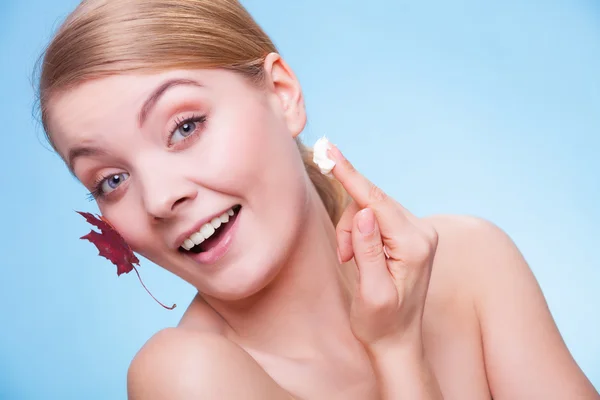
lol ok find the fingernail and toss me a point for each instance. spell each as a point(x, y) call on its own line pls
point(366, 221)
point(339, 256)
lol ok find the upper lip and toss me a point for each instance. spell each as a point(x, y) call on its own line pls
point(181, 238)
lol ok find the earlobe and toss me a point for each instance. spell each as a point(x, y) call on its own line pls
point(284, 84)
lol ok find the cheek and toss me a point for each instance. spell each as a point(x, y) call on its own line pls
point(130, 221)
point(268, 163)
point(250, 147)
point(273, 179)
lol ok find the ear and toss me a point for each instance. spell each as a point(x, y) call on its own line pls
point(286, 87)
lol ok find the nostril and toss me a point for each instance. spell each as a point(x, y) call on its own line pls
point(179, 201)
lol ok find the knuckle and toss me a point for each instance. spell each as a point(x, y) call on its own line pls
point(340, 230)
point(373, 250)
point(378, 302)
point(434, 237)
point(420, 248)
point(429, 233)
point(394, 244)
point(344, 239)
point(376, 194)
point(348, 165)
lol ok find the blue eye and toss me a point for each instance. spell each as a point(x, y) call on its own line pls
point(186, 128)
point(107, 184)
point(112, 182)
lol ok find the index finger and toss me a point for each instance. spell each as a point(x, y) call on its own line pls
point(364, 192)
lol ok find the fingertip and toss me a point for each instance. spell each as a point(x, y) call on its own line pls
point(345, 256)
point(345, 252)
point(335, 154)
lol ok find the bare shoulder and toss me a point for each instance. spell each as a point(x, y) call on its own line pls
point(481, 258)
point(471, 244)
point(468, 230)
point(525, 355)
point(179, 363)
point(467, 249)
point(478, 259)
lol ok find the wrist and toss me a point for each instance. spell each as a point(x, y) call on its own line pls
point(403, 371)
point(409, 348)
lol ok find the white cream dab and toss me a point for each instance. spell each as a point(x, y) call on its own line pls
point(320, 156)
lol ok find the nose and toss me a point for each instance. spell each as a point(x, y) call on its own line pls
point(165, 194)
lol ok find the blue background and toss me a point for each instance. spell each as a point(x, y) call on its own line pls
point(453, 107)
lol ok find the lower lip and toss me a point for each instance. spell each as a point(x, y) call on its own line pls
point(220, 249)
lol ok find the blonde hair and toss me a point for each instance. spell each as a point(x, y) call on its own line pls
point(107, 37)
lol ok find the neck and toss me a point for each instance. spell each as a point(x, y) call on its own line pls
point(305, 310)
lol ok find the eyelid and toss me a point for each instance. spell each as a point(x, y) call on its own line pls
point(182, 117)
point(199, 118)
point(184, 107)
point(96, 189)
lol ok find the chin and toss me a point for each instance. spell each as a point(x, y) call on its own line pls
point(242, 281)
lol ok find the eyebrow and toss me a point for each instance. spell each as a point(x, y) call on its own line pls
point(157, 93)
point(82, 151)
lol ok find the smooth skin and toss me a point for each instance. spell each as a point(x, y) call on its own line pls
point(299, 308)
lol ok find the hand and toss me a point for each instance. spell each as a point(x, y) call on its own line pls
point(394, 252)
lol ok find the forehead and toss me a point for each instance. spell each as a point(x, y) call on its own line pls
point(90, 109)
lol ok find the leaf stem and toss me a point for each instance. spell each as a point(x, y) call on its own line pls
point(155, 299)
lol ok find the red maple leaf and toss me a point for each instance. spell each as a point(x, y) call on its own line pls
point(113, 247)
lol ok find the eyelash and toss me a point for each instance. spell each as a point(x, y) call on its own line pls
point(97, 193)
point(179, 122)
point(97, 188)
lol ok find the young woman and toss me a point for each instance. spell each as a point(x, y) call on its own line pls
point(183, 121)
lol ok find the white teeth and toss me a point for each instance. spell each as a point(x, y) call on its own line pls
point(197, 238)
point(188, 244)
point(216, 222)
point(207, 230)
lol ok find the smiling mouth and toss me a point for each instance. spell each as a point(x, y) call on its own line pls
point(211, 233)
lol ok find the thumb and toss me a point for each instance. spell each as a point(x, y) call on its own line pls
point(374, 278)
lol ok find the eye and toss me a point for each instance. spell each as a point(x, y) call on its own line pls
point(107, 184)
point(110, 183)
point(186, 128)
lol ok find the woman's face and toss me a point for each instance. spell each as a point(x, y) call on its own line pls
point(165, 154)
